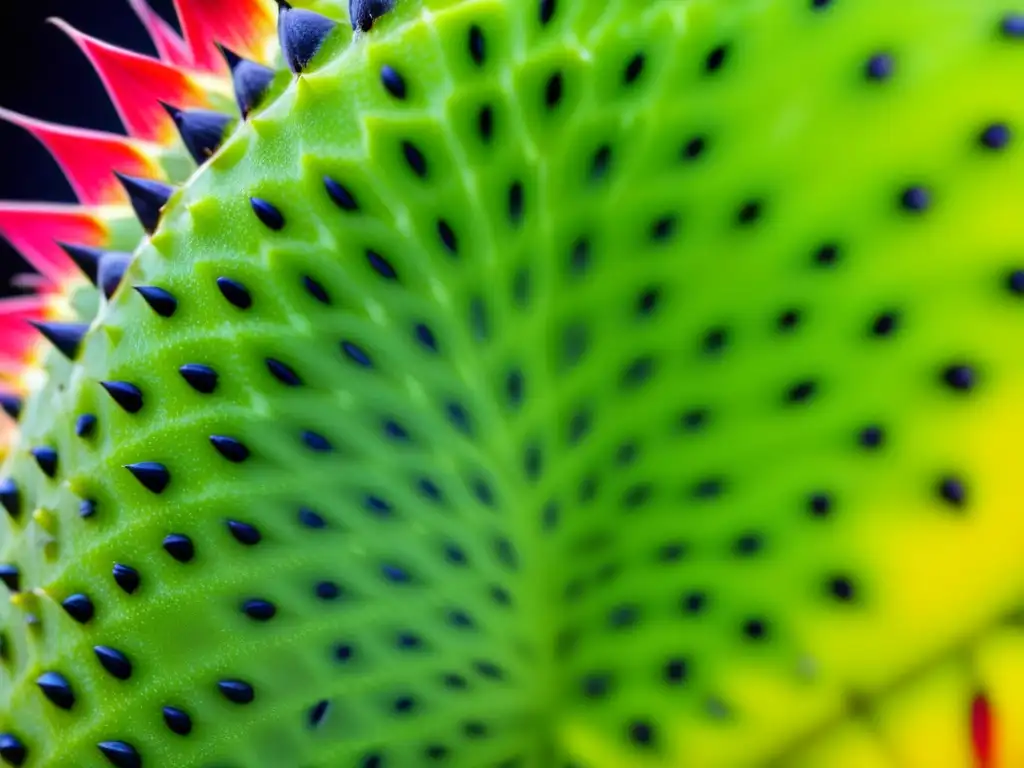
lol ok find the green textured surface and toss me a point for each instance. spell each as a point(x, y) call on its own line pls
point(566, 501)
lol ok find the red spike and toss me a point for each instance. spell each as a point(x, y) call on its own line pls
point(169, 45)
point(33, 229)
point(240, 25)
point(17, 337)
point(88, 157)
point(137, 84)
point(983, 732)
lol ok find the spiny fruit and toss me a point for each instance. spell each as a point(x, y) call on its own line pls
point(555, 383)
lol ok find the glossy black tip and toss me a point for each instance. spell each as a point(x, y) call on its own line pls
point(250, 80)
point(10, 404)
point(148, 197)
point(12, 750)
point(86, 259)
point(66, 337)
point(120, 754)
point(79, 607)
point(10, 576)
point(231, 449)
point(236, 691)
point(301, 34)
point(10, 496)
point(57, 689)
point(363, 13)
point(177, 721)
point(180, 547)
point(268, 214)
point(115, 662)
point(46, 458)
point(126, 395)
point(201, 378)
point(159, 300)
point(113, 265)
point(153, 476)
point(126, 577)
point(85, 425)
point(201, 130)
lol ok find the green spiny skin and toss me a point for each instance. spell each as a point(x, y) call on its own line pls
point(571, 462)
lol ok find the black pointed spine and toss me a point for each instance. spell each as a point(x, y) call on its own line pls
point(202, 131)
point(126, 395)
point(268, 214)
point(12, 750)
point(113, 265)
point(79, 607)
point(148, 197)
point(10, 497)
point(301, 34)
point(126, 577)
point(251, 81)
point(120, 754)
point(57, 689)
point(153, 476)
point(363, 13)
point(10, 404)
point(115, 662)
point(159, 300)
point(66, 337)
point(46, 457)
point(201, 378)
point(86, 259)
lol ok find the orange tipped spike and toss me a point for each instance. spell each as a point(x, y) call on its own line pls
point(169, 45)
point(137, 84)
point(33, 229)
point(88, 157)
point(238, 24)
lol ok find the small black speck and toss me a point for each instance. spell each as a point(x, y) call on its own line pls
point(841, 588)
point(393, 81)
point(960, 377)
point(663, 228)
point(915, 199)
point(314, 289)
point(694, 148)
point(485, 123)
point(694, 602)
point(477, 45)
point(553, 90)
point(952, 491)
point(414, 157)
point(872, 437)
point(641, 733)
point(748, 544)
point(634, 69)
point(716, 58)
point(749, 212)
point(596, 685)
point(789, 320)
point(755, 629)
point(819, 504)
point(827, 255)
point(676, 671)
point(995, 136)
point(880, 67)
point(317, 712)
point(885, 324)
point(801, 392)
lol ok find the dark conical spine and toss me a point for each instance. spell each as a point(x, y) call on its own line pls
point(112, 267)
point(148, 197)
point(251, 81)
point(86, 259)
point(202, 130)
point(152, 475)
point(10, 404)
point(126, 395)
point(160, 301)
point(10, 497)
point(66, 337)
point(301, 34)
point(363, 13)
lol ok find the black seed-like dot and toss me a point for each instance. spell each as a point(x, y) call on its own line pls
point(340, 195)
point(436, 752)
point(87, 508)
point(676, 671)
point(244, 533)
point(474, 729)
point(115, 662)
point(694, 602)
point(547, 11)
point(85, 425)
point(409, 642)
point(178, 721)
point(46, 458)
point(553, 90)
point(827, 255)
point(378, 506)
point(79, 607)
point(953, 491)
point(663, 228)
point(995, 136)
point(454, 681)
point(231, 449)
point(755, 629)
point(801, 392)
point(749, 212)
point(748, 544)
point(393, 81)
point(477, 45)
point(180, 547)
point(236, 293)
point(444, 231)
point(623, 616)
point(885, 324)
point(694, 148)
point(789, 320)
point(57, 689)
point(381, 265)
point(959, 377)
point(820, 504)
point(310, 519)
point(515, 202)
point(715, 340)
point(259, 610)
point(316, 290)
point(841, 588)
point(716, 58)
point(879, 67)
point(127, 578)
point(120, 754)
point(327, 590)
point(485, 123)
point(634, 68)
point(356, 354)
point(283, 373)
point(426, 337)
point(270, 216)
point(236, 691)
point(395, 574)
point(12, 750)
point(316, 442)
point(343, 652)
point(601, 161)
point(819, 5)
point(201, 378)
point(642, 733)
point(872, 436)
point(10, 576)
point(694, 420)
point(317, 712)
point(915, 199)
point(414, 157)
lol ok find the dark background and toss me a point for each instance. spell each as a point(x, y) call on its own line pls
point(43, 74)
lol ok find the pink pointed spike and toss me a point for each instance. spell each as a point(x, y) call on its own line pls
point(241, 25)
point(16, 335)
point(88, 157)
point(169, 45)
point(33, 229)
point(137, 84)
